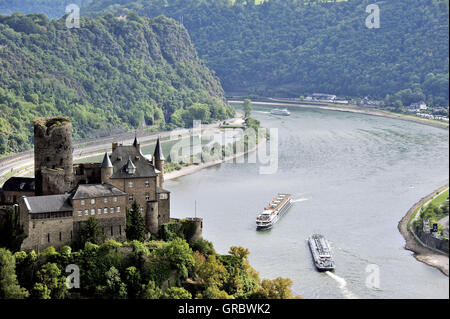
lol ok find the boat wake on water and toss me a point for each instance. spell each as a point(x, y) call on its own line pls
point(299, 200)
point(342, 286)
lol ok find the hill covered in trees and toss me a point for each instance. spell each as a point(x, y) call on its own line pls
point(109, 73)
point(293, 47)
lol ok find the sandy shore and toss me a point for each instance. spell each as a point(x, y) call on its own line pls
point(422, 253)
point(357, 110)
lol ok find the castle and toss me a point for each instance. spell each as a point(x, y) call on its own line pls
point(62, 196)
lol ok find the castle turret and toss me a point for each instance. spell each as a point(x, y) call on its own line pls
point(136, 144)
point(53, 163)
point(106, 169)
point(158, 162)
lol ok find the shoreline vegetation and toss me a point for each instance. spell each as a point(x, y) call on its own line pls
point(422, 253)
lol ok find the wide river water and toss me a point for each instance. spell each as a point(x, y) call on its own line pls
point(354, 177)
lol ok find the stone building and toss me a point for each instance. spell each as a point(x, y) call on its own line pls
point(66, 195)
point(142, 179)
point(55, 220)
point(16, 187)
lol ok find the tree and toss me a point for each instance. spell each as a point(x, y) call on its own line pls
point(278, 288)
point(212, 272)
point(135, 227)
point(213, 292)
point(9, 285)
point(239, 252)
point(133, 281)
point(114, 288)
point(151, 291)
point(51, 284)
point(178, 253)
point(90, 232)
point(247, 108)
point(11, 232)
point(176, 293)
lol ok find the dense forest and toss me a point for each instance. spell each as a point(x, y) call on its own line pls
point(107, 74)
point(294, 47)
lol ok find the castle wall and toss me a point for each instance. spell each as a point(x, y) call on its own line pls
point(12, 197)
point(45, 232)
point(164, 209)
point(87, 173)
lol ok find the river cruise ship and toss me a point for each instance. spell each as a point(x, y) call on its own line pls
point(284, 112)
point(272, 213)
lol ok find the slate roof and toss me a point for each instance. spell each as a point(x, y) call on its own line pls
point(106, 162)
point(119, 160)
point(95, 190)
point(158, 154)
point(48, 204)
point(25, 184)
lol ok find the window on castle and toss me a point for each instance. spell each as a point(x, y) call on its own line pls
point(120, 229)
point(105, 210)
point(86, 212)
point(92, 201)
point(99, 211)
point(130, 184)
point(111, 210)
point(60, 236)
point(118, 209)
point(147, 183)
point(83, 202)
point(80, 213)
point(142, 210)
point(115, 199)
point(92, 211)
point(112, 231)
point(105, 200)
point(147, 197)
point(130, 197)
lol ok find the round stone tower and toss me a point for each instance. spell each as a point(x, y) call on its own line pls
point(106, 169)
point(53, 162)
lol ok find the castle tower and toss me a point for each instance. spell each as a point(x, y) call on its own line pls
point(136, 144)
point(158, 158)
point(106, 169)
point(53, 163)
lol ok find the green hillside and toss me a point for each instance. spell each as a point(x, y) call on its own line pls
point(294, 47)
point(108, 74)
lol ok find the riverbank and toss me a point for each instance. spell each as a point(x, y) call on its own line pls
point(356, 109)
point(195, 168)
point(422, 253)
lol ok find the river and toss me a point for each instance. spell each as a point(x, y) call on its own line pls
point(353, 177)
